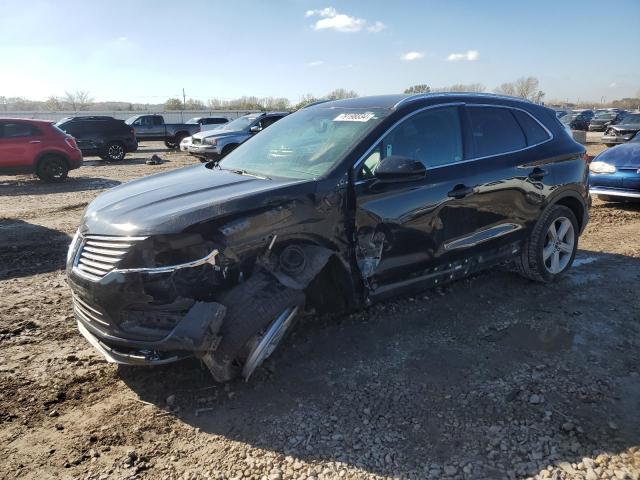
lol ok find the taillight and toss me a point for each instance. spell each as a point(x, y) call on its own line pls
point(71, 141)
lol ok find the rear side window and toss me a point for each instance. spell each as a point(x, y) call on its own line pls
point(495, 131)
point(16, 130)
point(532, 129)
point(158, 121)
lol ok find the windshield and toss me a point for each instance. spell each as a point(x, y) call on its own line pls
point(605, 116)
point(130, 120)
point(305, 144)
point(635, 118)
point(240, 123)
point(62, 121)
point(192, 121)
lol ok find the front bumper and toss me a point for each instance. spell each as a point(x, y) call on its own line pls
point(205, 151)
point(145, 315)
point(616, 138)
point(615, 192)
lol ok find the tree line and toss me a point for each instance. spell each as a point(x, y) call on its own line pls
point(81, 100)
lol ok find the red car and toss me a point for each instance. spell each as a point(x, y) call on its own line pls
point(37, 146)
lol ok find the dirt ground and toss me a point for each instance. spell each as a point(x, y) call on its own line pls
point(490, 377)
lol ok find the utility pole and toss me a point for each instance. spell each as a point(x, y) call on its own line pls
point(184, 100)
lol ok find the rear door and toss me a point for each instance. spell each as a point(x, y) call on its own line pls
point(514, 177)
point(20, 143)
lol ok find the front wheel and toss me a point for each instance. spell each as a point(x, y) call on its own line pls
point(52, 169)
point(171, 145)
point(260, 313)
point(552, 246)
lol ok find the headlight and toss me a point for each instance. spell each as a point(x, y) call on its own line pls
point(186, 140)
point(210, 141)
point(602, 167)
point(72, 247)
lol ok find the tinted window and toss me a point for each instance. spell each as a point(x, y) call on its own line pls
point(495, 131)
point(214, 121)
point(269, 121)
point(532, 129)
point(432, 137)
point(158, 121)
point(15, 130)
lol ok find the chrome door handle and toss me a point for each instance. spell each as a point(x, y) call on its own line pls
point(35, 141)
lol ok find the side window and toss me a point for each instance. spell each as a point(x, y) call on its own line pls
point(158, 121)
point(370, 163)
point(532, 130)
point(16, 130)
point(269, 121)
point(495, 131)
point(432, 137)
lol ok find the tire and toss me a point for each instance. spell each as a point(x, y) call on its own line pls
point(535, 262)
point(170, 145)
point(252, 308)
point(52, 169)
point(115, 152)
point(179, 138)
point(228, 149)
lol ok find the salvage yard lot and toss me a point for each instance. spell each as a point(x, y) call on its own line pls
point(489, 377)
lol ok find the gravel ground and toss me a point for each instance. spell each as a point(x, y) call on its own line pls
point(490, 377)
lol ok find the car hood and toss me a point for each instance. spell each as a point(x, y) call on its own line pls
point(217, 133)
point(625, 155)
point(169, 202)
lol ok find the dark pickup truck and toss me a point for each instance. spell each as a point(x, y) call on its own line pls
point(152, 127)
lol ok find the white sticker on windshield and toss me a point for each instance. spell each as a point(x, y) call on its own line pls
point(354, 117)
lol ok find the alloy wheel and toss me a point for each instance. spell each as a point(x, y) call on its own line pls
point(115, 152)
point(559, 245)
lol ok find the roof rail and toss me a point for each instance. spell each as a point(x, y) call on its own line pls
point(318, 102)
point(419, 96)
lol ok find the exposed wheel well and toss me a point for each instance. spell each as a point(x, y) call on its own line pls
point(576, 206)
point(46, 155)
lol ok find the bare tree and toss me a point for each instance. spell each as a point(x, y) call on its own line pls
point(173, 104)
point(506, 89)
point(526, 87)
point(421, 88)
point(78, 100)
point(340, 93)
point(463, 87)
point(53, 104)
point(193, 104)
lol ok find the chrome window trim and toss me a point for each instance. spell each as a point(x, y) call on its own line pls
point(356, 165)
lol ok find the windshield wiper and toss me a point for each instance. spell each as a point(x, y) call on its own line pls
point(240, 171)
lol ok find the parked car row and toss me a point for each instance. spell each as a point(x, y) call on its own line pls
point(592, 120)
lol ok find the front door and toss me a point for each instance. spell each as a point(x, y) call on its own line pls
point(19, 144)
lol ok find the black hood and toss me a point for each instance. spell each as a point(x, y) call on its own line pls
point(169, 202)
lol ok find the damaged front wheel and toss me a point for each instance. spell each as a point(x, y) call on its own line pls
point(260, 312)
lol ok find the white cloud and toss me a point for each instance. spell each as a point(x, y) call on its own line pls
point(470, 55)
point(330, 19)
point(613, 85)
point(376, 27)
point(317, 63)
point(410, 56)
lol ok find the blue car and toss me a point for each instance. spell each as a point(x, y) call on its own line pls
point(614, 175)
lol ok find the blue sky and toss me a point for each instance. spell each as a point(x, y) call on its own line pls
point(148, 50)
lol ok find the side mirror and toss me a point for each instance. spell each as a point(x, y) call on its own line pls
point(255, 129)
point(400, 169)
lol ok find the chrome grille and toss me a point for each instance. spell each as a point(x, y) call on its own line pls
point(100, 254)
point(88, 313)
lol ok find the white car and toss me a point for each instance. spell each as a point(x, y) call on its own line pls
point(208, 123)
point(185, 144)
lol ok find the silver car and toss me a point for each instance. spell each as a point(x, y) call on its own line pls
point(215, 144)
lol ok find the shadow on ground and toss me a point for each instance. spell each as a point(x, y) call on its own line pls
point(28, 185)
point(27, 249)
point(494, 372)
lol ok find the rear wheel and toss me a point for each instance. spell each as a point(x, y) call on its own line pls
point(260, 313)
point(115, 152)
point(552, 246)
point(52, 169)
point(170, 145)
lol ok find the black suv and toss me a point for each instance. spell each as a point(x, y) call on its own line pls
point(335, 206)
point(106, 137)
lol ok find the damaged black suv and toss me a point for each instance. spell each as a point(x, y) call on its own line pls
point(334, 207)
